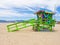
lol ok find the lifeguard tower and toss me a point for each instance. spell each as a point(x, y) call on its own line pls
point(44, 21)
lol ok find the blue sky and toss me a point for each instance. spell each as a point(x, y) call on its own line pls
point(25, 9)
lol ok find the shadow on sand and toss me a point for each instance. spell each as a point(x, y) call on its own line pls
point(46, 30)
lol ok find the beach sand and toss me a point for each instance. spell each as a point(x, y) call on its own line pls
point(27, 36)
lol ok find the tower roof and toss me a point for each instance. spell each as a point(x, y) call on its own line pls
point(41, 12)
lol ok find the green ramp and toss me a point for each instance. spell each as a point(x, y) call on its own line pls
point(20, 25)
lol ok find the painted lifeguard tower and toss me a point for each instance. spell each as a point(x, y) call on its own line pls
point(44, 21)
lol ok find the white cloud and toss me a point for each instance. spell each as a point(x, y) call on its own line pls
point(7, 13)
point(11, 13)
point(19, 3)
point(8, 4)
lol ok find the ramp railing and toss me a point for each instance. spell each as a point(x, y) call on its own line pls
point(20, 25)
